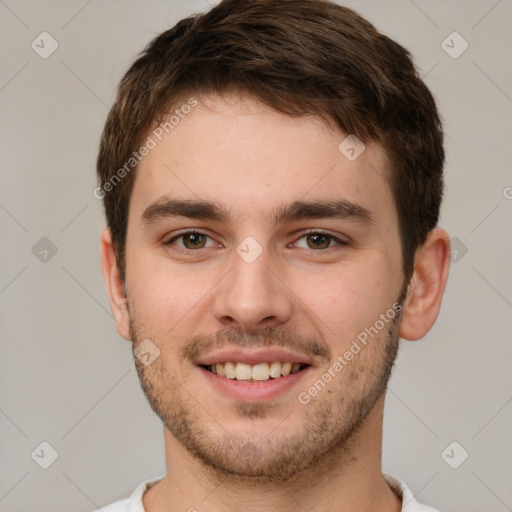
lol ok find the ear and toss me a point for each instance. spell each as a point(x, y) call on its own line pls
point(115, 285)
point(426, 287)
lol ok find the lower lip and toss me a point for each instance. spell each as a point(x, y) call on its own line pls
point(255, 391)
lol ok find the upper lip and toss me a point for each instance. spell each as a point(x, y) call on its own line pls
point(253, 357)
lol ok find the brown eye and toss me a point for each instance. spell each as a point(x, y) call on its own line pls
point(191, 240)
point(318, 241)
point(194, 240)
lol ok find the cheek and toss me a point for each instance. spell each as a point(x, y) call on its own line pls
point(342, 302)
point(164, 295)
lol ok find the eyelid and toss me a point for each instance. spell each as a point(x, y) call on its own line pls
point(180, 234)
point(175, 236)
point(340, 241)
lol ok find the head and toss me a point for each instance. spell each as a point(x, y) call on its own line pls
point(305, 154)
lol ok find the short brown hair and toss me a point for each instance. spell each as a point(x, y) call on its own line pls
point(312, 57)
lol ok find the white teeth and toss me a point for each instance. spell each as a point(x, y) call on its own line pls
point(286, 368)
point(243, 371)
point(275, 370)
point(229, 370)
point(260, 371)
point(219, 369)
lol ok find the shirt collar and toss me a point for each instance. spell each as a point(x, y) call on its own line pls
point(409, 503)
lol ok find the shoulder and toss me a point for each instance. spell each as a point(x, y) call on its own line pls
point(134, 502)
point(409, 503)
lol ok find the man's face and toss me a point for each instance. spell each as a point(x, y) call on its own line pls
point(301, 255)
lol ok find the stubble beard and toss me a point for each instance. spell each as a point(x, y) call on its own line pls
point(326, 431)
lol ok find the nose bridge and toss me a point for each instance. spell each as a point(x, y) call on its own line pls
point(251, 297)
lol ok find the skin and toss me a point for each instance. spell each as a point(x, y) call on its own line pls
point(278, 454)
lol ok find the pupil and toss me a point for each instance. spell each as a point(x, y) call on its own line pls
point(194, 240)
point(317, 241)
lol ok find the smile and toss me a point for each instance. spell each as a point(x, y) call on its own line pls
point(257, 372)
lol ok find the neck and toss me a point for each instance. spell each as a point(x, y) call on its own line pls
point(346, 479)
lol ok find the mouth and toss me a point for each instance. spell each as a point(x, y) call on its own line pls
point(258, 382)
point(254, 375)
point(260, 372)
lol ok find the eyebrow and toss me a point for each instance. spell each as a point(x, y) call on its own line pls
point(202, 210)
point(298, 210)
point(337, 209)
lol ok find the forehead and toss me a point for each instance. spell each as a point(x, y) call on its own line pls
point(239, 153)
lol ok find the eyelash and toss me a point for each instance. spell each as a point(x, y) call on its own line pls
point(338, 241)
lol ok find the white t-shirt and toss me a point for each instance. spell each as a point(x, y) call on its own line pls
point(134, 502)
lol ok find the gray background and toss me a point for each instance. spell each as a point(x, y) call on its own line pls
point(68, 379)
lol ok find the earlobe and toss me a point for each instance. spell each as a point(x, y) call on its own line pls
point(427, 285)
point(115, 285)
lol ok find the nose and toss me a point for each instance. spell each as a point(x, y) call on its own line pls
point(251, 297)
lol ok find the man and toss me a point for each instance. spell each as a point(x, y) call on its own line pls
point(272, 176)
